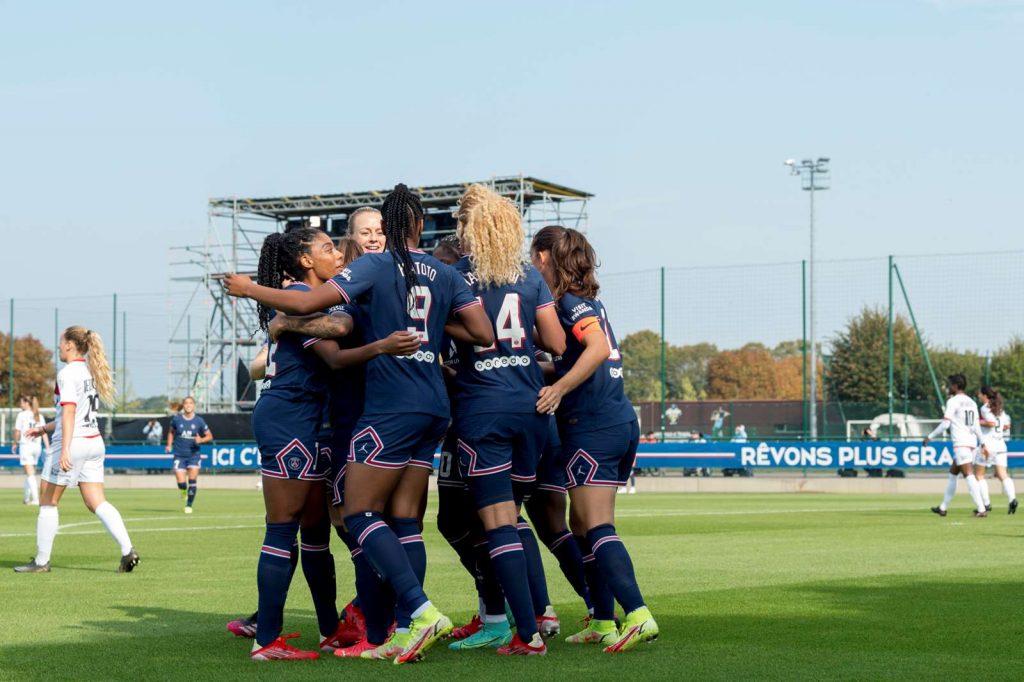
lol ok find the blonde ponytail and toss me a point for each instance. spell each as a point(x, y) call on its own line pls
point(90, 345)
point(35, 409)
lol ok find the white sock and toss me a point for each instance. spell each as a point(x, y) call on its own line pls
point(421, 610)
point(1009, 489)
point(975, 490)
point(46, 531)
point(983, 489)
point(28, 488)
point(111, 519)
point(950, 492)
point(34, 488)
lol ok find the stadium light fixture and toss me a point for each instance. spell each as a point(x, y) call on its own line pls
point(814, 177)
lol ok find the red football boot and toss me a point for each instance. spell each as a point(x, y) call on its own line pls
point(471, 628)
point(279, 650)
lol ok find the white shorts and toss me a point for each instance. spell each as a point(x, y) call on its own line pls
point(996, 455)
point(28, 453)
point(964, 454)
point(86, 463)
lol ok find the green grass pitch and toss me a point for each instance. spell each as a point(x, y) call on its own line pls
point(743, 587)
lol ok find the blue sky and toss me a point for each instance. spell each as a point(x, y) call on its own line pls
point(121, 119)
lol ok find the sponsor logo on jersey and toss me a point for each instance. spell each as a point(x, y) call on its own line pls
point(419, 356)
point(502, 362)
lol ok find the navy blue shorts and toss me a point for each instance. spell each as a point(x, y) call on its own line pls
point(551, 468)
point(337, 450)
point(601, 456)
point(500, 447)
point(394, 441)
point(182, 462)
point(287, 433)
point(448, 473)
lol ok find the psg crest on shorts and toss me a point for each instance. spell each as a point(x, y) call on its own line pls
point(294, 463)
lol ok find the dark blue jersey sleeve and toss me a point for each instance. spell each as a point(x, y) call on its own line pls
point(544, 297)
point(355, 280)
point(461, 295)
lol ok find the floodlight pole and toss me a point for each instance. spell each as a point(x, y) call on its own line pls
point(814, 177)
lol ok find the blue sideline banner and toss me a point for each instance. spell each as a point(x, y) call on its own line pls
point(753, 455)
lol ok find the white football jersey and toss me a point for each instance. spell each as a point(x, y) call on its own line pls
point(986, 415)
point(962, 417)
point(1006, 424)
point(76, 389)
point(25, 421)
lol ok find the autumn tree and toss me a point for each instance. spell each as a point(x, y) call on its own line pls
point(33, 368)
point(747, 373)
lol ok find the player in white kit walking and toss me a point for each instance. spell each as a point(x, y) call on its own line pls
point(75, 456)
point(994, 423)
point(961, 420)
point(29, 448)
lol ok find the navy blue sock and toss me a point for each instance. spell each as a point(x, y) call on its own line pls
point(600, 594)
point(616, 566)
point(488, 587)
point(182, 485)
point(385, 553)
point(509, 561)
point(273, 576)
point(318, 567)
point(408, 532)
point(192, 486)
point(534, 567)
point(570, 560)
point(373, 596)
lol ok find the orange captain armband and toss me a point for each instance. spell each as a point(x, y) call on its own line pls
point(584, 326)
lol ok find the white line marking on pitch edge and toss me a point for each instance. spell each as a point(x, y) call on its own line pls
point(627, 514)
point(152, 518)
point(140, 530)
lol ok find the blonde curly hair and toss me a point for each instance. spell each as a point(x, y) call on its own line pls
point(491, 231)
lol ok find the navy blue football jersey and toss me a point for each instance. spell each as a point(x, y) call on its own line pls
point(293, 368)
point(405, 383)
point(503, 377)
point(348, 385)
point(599, 401)
point(185, 432)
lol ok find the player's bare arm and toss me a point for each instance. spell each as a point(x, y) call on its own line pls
point(290, 302)
point(319, 325)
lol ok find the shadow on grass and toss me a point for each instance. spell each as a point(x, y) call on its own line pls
point(891, 627)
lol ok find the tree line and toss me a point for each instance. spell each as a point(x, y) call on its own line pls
point(856, 370)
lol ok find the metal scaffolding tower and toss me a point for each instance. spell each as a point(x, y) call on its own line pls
point(213, 338)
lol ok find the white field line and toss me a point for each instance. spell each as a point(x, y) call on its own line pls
point(135, 530)
point(621, 514)
point(96, 522)
point(758, 512)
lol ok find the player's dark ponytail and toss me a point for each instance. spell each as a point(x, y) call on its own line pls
point(995, 399)
point(399, 214)
point(279, 258)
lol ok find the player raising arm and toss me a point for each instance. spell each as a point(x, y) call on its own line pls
point(406, 410)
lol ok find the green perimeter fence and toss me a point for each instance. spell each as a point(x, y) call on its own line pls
point(694, 340)
point(889, 330)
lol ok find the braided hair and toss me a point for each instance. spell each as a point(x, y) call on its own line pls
point(279, 258)
point(401, 210)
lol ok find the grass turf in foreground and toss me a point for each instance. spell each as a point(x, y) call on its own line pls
point(743, 587)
